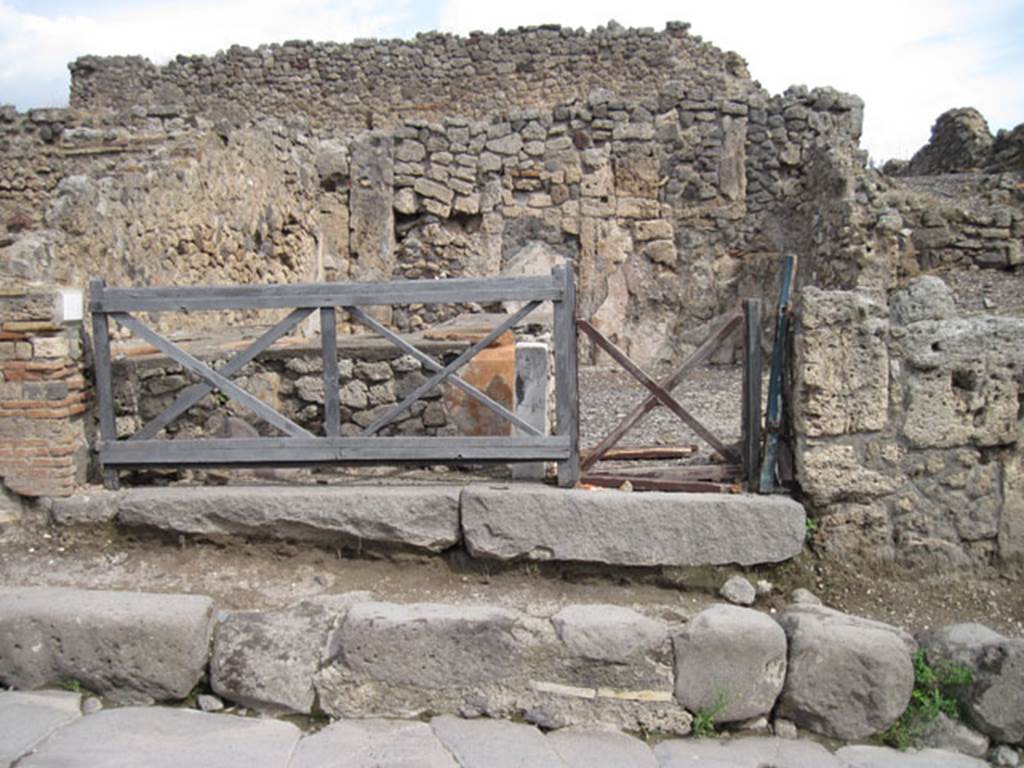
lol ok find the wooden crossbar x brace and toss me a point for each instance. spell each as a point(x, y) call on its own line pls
point(728, 324)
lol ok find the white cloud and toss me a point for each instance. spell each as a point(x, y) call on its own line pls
point(910, 60)
point(35, 49)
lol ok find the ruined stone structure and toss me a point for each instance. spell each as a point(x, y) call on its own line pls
point(673, 180)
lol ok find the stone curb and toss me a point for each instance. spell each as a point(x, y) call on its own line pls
point(493, 521)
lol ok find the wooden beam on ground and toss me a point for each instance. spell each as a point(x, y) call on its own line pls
point(655, 453)
point(607, 480)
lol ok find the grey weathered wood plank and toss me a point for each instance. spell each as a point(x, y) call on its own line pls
point(104, 384)
point(566, 374)
point(329, 354)
point(663, 397)
point(480, 290)
point(751, 420)
point(453, 366)
point(275, 450)
point(203, 371)
point(434, 365)
point(702, 353)
point(198, 391)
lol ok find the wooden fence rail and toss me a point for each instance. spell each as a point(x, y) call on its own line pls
point(299, 446)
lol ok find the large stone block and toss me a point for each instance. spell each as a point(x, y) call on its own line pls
point(266, 660)
point(961, 381)
point(618, 528)
point(158, 737)
point(130, 646)
point(730, 661)
point(848, 677)
point(495, 744)
point(864, 756)
point(405, 660)
point(842, 364)
point(587, 749)
point(413, 516)
point(995, 699)
point(372, 744)
point(26, 719)
point(744, 753)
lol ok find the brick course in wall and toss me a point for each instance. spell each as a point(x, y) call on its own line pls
point(44, 397)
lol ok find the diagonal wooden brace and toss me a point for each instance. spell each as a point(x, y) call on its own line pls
point(729, 323)
point(434, 365)
point(657, 391)
point(205, 372)
point(198, 391)
point(449, 369)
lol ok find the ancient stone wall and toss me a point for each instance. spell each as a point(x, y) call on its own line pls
point(672, 206)
point(908, 421)
point(344, 89)
point(44, 396)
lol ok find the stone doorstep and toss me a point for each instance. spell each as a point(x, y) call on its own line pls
point(168, 738)
point(502, 521)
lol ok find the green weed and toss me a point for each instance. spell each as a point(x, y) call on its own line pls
point(704, 720)
point(936, 691)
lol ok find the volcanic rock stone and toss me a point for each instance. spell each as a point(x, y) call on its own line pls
point(754, 752)
point(132, 647)
point(266, 660)
point(26, 719)
point(618, 528)
point(739, 591)
point(420, 517)
point(730, 661)
point(372, 743)
point(995, 699)
point(158, 737)
point(587, 749)
point(863, 756)
point(608, 632)
point(848, 677)
point(494, 744)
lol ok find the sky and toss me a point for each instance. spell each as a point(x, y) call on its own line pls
point(910, 60)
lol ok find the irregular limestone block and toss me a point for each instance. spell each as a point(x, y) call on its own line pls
point(266, 660)
point(92, 508)
point(159, 737)
point(494, 744)
point(587, 749)
point(420, 517)
point(848, 677)
point(730, 661)
point(618, 528)
point(26, 719)
point(842, 364)
point(371, 744)
point(995, 699)
point(404, 660)
point(130, 646)
point(961, 381)
point(832, 471)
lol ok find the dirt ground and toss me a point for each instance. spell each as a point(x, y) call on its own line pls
point(249, 575)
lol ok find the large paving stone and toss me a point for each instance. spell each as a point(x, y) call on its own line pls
point(589, 749)
point(862, 756)
point(158, 737)
point(389, 660)
point(373, 744)
point(487, 743)
point(848, 677)
point(618, 528)
point(743, 753)
point(421, 517)
point(266, 660)
point(731, 661)
point(28, 718)
point(995, 699)
point(133, 647)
